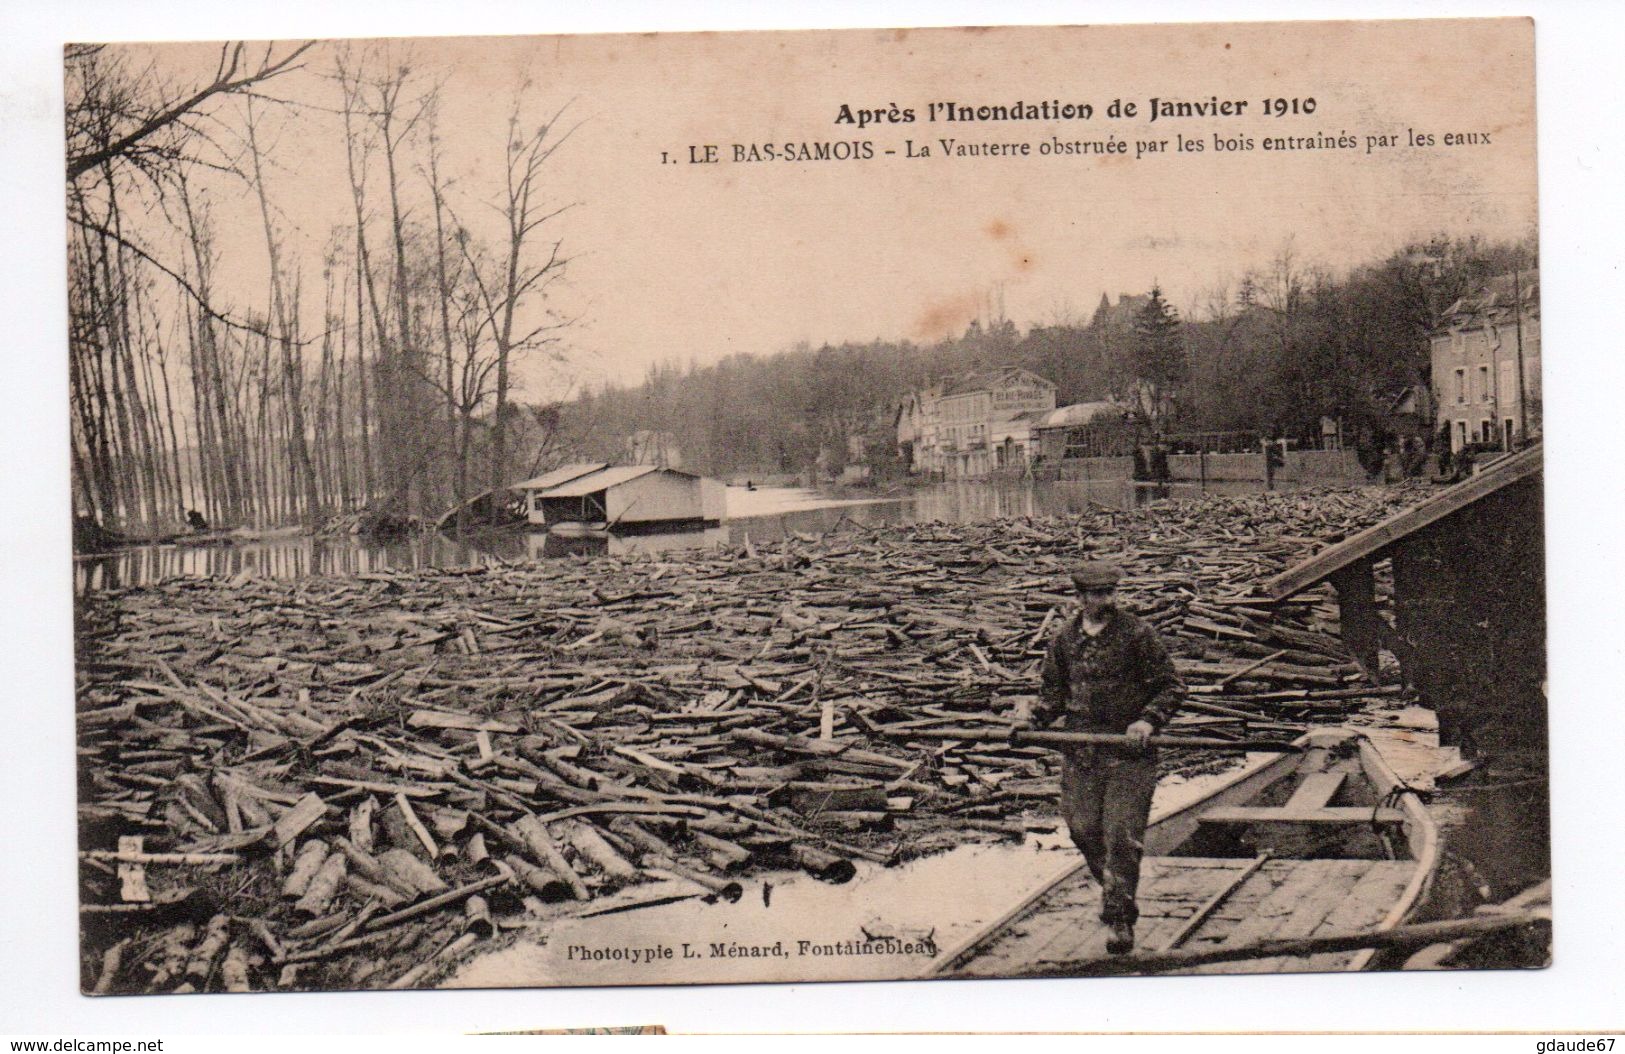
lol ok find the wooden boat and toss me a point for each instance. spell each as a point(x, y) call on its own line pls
point(579, 528)
point(1326, 840)
point(202, 539)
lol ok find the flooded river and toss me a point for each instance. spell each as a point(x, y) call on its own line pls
point(761, 514)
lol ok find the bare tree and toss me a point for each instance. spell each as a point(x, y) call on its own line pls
point(526, 211)
point(117, 119)
point(390, 114)
point(132, 135)
point(444, 283)
point(284, 319)
point(356, 148)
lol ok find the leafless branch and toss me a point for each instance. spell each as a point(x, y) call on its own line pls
point(229, 78)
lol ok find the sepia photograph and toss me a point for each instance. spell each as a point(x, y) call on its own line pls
point(799, 506)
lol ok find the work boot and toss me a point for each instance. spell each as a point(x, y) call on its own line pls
point(1121, 942)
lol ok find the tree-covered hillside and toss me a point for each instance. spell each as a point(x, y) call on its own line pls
point(1274, 352)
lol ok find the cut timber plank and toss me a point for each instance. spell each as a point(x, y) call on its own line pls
point(468, 722)
point(1335, 882)
point(1300, 881)
point(1365, 905)
point(132, 875)
point(1347, 814)
point(292, 823)
point(1190, 925)
point(1373, 540)
point(1171, 889)
point(1316, 791)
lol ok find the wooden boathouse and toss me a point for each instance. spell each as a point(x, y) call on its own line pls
point(533, 489)
point(1469, 603)
point(624, 498)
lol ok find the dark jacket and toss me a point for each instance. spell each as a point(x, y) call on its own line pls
point(1107, 682)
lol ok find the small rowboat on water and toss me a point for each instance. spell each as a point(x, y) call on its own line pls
point(1326, 840)
point(578, 528)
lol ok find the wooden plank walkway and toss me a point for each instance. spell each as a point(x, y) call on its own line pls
point(1372, 541)
point(1280, 899)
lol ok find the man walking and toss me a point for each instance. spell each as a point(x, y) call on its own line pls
point(1107, 671)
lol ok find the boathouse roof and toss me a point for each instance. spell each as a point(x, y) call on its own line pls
point(604, 478)
point(561, 475)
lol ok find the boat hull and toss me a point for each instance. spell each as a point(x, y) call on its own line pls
point(628, 528)
point(1296, 845)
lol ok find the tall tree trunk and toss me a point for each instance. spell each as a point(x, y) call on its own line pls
point(209, 489)
point(323, 451)
point(459, 490)
point(88, 346)
point(225, 455)
point(165, 497)
point(340, 425)
point(407, 440)
point(376, 391)
point(301, 476)
point(117, 345)
point(263, 432)
point(369, 398)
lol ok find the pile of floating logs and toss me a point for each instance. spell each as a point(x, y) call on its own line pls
point(349, 782)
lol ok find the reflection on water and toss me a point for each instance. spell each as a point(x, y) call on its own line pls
point(983, 502)
point(541, 545)
point(297, 557)
point(291, 557)
point(980, 502)
point(956, 503)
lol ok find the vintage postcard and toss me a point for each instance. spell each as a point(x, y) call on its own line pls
point(798, 506)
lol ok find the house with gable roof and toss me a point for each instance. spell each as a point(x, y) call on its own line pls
point(1486, 364)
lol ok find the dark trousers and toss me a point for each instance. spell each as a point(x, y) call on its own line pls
point(1106, 801)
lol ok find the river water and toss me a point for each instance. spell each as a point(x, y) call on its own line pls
point(762, 514)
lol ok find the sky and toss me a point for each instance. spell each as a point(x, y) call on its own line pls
point(677, 261)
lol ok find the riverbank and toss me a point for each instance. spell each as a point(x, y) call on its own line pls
point(353, 782)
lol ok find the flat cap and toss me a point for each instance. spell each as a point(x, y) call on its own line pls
point(1096, 574)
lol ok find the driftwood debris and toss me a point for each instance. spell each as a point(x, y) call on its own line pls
point(340, 764)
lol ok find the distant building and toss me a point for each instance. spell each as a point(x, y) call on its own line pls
point(1098, 429)
point(971, 425)
point(1478, 347)
point(857, 469)
point(532, 489)
point(1410, 412)
point(1120, 315)
point(916, 424)
point(1013, 441)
